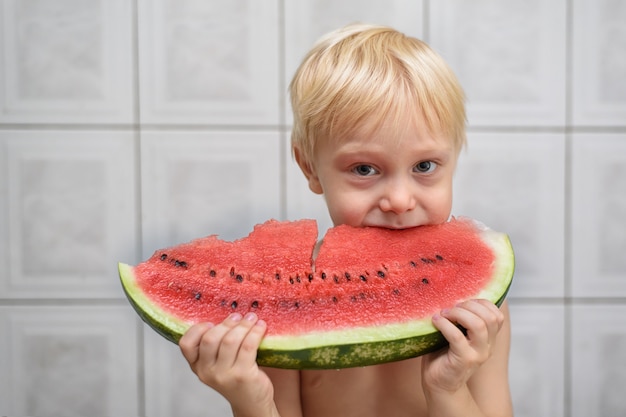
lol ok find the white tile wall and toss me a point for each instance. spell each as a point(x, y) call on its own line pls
point(598, 209)
point(130, 125)
point(66, 62)
point(598, 360)
point(509, 56)
point(70, 211)
point(207, 62)
point(599, 85)
point(536, 361)
point(68, 361)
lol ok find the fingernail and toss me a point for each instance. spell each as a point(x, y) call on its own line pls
point(250, 317)
point(235, 317)
point(260, 323)
point(436, 317)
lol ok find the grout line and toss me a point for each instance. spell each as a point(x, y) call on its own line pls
point(140, 348)
point(579, 301)
point(426, 21)
point(62, 302)
point(141, 369)
point(137, 131)
point(547, 129)
point(567, 229)
point(282, 109)
point(282, 63)
point(140, 127)
point(284, 127)
point(67, 126)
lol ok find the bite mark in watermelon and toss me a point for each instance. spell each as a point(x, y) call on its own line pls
point(368, 297)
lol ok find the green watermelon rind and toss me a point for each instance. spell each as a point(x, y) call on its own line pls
point(167, 325)
point(343, 348)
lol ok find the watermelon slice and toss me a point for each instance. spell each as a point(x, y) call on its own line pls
point(368, 297)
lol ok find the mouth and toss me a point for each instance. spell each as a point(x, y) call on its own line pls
point(393, 226)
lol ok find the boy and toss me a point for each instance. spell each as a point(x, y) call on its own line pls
point(379, 121)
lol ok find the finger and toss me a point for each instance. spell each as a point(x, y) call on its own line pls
point(233, 340)
point(189, 343)
point(488, 312)
point(476, 329)
point(482, 322)
point(481, 328)
point(211, 342)
point(450, 331)
point(250, 345)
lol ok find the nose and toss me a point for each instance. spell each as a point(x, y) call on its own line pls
point(398, 196)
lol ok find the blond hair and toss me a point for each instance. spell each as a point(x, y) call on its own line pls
point(365, 73)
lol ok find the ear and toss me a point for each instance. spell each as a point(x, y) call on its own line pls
point(309, 172)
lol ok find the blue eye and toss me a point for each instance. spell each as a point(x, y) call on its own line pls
point(364, 170)
point(425, 167)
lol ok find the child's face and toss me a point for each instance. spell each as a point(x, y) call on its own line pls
point(394, 178)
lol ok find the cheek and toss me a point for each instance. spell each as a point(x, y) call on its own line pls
point(439, 205)
point(345, 210)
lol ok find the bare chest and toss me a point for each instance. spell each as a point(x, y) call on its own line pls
point(390, 390)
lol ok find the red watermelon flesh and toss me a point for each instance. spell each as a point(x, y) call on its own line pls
point(208, 278)
point(431, 273)
point(366, 290)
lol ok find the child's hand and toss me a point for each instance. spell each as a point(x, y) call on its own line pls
point(449, 369)
point(223, 357)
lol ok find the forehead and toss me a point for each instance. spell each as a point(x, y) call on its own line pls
point(394, 129)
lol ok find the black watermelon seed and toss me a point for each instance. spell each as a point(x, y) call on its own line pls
point(427, 261)
point(363, 278)
point(347, 276)
point(381, 274)
point(353, 298)
point(323, 275)
point(212, 272)
point(336, 278)
point(310, 277)
point(413, 264)
point(291, 280)
point(233, 305)
point(232, 271)
point(181, 264)
point(424, 280)
point(255, 304)
point(298, 279)
point(396, 291)
point(439, 257)
point(198, 296)
point(335, 299)
point(277, 275)
point(164, 257)
point(297, 305)
point(239, 278)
